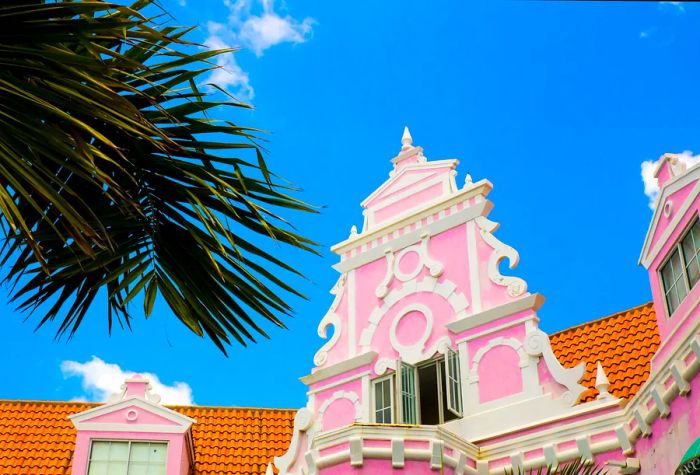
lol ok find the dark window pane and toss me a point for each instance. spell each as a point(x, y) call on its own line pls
point(387, 392)
point(667, 276)
point(693, 269)
point(428, 390)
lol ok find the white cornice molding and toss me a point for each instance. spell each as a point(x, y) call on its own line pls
point(436, 227)
point(126, 427)
point(339, 368)
point(530, 302)
point(561, 433)
point(648, 253)
point(183, 421)
point(394, 431)
point(529, 319)
point(482, 187)
point(642, 405)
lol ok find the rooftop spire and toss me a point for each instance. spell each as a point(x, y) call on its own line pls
point(406, 139)
point(601, 382)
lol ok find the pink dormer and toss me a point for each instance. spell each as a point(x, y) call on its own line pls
point(132, 435)
point(671, 251)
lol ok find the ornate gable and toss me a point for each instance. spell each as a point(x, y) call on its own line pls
point(427, 328)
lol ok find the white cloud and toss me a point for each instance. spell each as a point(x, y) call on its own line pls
point(229, 75)
point(646, 33)
point(256, 31)
point(651, 186)
point(260, 32)
point(101, 380)
point(675, 6)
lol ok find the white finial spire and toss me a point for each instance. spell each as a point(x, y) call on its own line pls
point(601, 382)
point(406, 139)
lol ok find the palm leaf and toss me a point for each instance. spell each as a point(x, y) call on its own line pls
point(575, 467)
point(118, 179)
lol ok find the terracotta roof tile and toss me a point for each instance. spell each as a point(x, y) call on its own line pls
point(624, 343)
point(36, 437)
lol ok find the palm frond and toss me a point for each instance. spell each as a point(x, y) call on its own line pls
point(117, 179)
point(575, 467)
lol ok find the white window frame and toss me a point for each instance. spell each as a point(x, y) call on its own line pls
point(410, 395)
point(453, 382)
point(128, 460)
point(677, 248)
point(448, 383)
point(392, 399)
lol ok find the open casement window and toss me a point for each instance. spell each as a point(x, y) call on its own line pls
point(428, 393)
point(111, 457)
point(407, 393)
point(681, 271)
point(453, 385)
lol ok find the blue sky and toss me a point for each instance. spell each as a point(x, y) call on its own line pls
point(558, 104)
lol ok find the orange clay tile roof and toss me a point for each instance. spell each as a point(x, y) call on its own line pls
point(624, 343)
point(36, 437)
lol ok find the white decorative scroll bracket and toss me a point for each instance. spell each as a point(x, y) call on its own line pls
point(331, 318)
point(434, 267)
point(383, 365)
point(393, 265)
point(515, 285)
point(445, 289)
point(537, 343)
point(383, 287)
point(302, 423)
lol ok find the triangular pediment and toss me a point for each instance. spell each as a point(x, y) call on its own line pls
point(411, 178)
point(673, 200)
point(132, 414)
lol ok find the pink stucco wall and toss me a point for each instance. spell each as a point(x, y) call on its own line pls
point(671, 437)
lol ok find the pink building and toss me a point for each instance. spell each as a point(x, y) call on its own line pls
point(436, 363)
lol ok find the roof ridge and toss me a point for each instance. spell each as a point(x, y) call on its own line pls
point(171, 406)
point(612, 315)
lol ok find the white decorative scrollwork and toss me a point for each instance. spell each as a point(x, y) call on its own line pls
point(413, 273)
point(442, 345)
point(493, 343)
point(434, 267)
point(393, 265)
point(414, 350)
point(349, 395)
point(383, 287)
point(537, 343)
point(302, 423)
point(331, 318)
point(445, 289)
point(515, 285)
point(383, 365)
